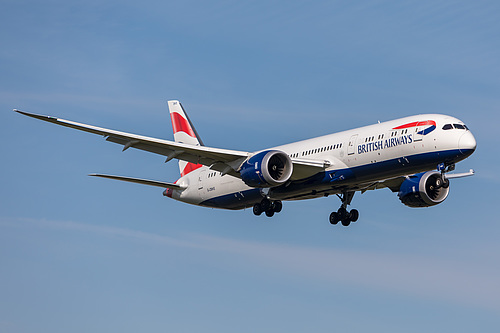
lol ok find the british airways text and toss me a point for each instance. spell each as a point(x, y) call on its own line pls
point(383, 144)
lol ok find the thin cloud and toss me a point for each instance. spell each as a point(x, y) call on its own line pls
point(106, 231)
point(436, 278)
point(425, 277)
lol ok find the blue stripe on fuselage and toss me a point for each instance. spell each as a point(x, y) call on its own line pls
point(237, 200)
point(406, 165)
point(342, 178)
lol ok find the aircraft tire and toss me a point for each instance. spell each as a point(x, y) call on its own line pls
point(278, 206)
point(269, 213)
point(257, 209)
point(343, 214)
point(265, 204)
point(334, 218)
point(354, 215)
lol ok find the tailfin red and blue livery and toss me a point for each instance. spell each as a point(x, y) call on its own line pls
point(184, 132)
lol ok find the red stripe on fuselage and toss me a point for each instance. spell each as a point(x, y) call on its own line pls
point(180, 124)
point(189, 168)
point(416, 124)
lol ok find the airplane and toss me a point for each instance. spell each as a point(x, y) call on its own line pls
point(411, 156)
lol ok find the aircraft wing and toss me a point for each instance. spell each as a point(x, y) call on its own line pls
point(395, 183)
point(190, 153)
point(223, 160)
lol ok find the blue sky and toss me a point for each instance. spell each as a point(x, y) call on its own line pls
point(81, 254)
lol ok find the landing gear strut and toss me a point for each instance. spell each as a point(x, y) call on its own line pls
point(267, 206)
point(443, 181)
point(343, 215)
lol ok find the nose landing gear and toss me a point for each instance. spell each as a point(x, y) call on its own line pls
point(443, 181)
point(343, 215)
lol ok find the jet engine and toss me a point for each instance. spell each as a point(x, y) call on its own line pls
point(267, 169)
point(424, 189)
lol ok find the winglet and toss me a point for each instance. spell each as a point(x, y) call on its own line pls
point(37, 116)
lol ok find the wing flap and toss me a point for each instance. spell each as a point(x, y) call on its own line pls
point(304, 168)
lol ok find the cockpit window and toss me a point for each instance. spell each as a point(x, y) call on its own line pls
point(459, 126)
point(447, 127)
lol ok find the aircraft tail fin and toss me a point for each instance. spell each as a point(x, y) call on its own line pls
point(184, 132)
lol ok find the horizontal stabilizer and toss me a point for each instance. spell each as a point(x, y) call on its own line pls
point(140, 181)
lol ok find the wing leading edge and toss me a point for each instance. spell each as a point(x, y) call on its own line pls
point(220, 158)
point(394, 184)
point(224, 160)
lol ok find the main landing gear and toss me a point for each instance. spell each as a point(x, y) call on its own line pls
point(267, 206)
point(343, 215)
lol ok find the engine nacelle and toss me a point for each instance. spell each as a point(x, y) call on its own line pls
point(267, 169)
point(423, 190)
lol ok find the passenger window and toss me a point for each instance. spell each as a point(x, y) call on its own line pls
point(447, 127)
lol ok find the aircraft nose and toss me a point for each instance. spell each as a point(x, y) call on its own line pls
point(467, 143)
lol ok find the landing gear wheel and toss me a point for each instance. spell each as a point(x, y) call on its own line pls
point(265, 204)
point(446, 182)
point(353, 215)
point(257, 209)
point(342, 214)
point(334, 218)
point(278, 206)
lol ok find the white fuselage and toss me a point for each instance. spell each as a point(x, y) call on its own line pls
point(364, 155)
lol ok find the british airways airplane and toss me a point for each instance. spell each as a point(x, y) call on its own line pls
point(411, 156)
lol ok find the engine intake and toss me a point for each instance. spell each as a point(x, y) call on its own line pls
point(423, 190)
point(267, 169)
